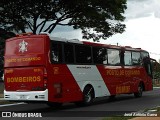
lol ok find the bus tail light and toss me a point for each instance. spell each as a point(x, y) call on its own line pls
point(45, 83)
point(45, 79)
point(58, 90)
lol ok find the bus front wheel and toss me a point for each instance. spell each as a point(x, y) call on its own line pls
point(88, 96)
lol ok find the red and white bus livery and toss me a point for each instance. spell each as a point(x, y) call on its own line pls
point(55, 71)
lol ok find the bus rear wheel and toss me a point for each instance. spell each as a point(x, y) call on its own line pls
point(140, 91)
point(88, 96)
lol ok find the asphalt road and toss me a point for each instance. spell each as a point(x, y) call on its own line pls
point(101, 107)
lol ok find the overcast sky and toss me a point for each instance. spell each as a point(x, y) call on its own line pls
point(142, 27)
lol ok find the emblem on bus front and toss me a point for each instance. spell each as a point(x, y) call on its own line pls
point(23, 46)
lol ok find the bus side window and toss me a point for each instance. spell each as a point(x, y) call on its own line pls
point(136, 59)
point(56, 52)
point(83, 54)
point(99, 55)
point(68, 52)
point(144, 55)
point(113, 57)
point(127, 58)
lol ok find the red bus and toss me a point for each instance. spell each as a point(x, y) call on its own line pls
point(39, 68)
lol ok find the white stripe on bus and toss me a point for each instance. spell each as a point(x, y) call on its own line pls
point(89, 74)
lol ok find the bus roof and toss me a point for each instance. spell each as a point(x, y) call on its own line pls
point(95, 44)
point(87, 42)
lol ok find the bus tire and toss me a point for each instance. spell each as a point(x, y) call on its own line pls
point(88, 96)
point(54, 105)
point(140, 91)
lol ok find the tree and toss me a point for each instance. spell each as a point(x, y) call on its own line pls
point(96, 18)
point(3, 36)
point(156, 70)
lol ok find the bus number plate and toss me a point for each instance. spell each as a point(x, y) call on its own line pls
point(23, 97)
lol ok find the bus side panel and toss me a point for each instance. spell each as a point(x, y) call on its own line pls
point(133, 76)
point(138, 75)
point(70, 91)
point(114, 79)
point(147, 80)
point(121, 80)
point(149, 85)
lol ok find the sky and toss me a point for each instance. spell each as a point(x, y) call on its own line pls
point(142, 28)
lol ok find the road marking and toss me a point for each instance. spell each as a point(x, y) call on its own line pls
point(12, 104)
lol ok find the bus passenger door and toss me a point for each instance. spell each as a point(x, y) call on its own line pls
point(148, 68)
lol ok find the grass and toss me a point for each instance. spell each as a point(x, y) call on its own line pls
point(5, 102)
point(156, 83)
point(117, 118)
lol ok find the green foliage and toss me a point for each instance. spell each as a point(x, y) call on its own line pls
point(3, 36)
point(118, 118)
point(156, 70)
point(96, 18)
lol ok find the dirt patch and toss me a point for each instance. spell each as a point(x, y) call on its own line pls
point(1, 95)
point(2, 102)
point(1, 87)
